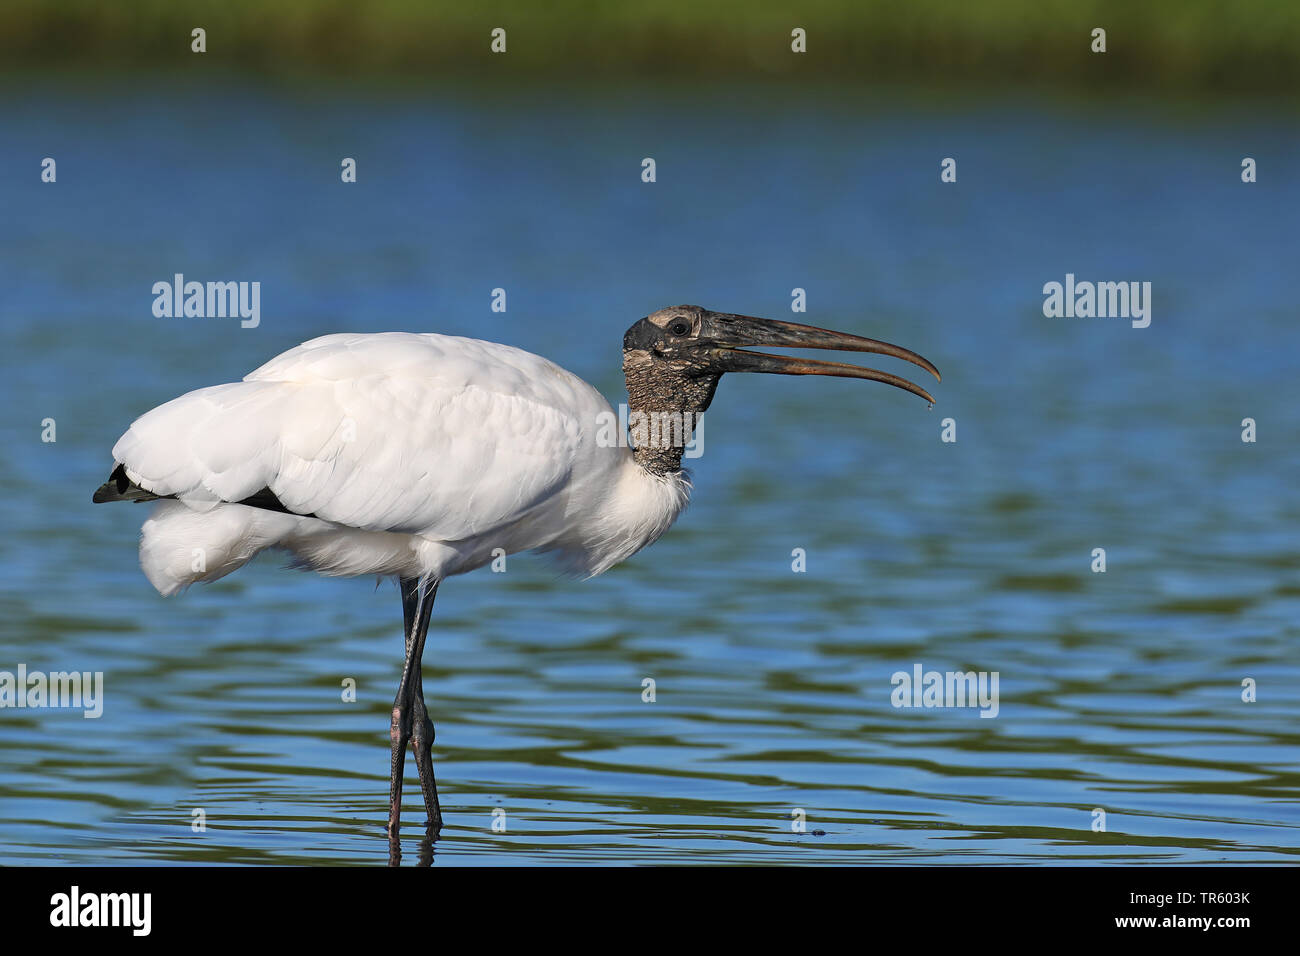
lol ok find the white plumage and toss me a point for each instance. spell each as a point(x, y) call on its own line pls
point(417, 454)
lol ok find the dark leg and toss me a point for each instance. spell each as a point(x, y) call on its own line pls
point(422, 749)
point(408, 706)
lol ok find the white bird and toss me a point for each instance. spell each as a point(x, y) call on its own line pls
point(418, 456)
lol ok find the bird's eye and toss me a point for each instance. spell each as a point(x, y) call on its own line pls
point(680, 328)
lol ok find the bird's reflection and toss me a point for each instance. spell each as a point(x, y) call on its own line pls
point(424, 856)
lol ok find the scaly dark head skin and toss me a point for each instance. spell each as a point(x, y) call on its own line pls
point(673, 359)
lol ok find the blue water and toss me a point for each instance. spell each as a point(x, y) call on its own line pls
point(1119, 691)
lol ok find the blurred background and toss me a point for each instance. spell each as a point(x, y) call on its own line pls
point(775, 170)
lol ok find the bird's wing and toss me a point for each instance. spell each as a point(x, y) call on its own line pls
point(429, 434)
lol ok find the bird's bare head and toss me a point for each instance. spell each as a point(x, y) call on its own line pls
point(687, 342)
point(673, 359)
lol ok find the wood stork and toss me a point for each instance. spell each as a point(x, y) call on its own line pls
point(417, 456)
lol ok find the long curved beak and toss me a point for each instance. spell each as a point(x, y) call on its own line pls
point(723, 335)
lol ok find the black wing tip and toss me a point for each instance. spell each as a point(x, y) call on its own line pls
point(115, 488)
point(121, 488)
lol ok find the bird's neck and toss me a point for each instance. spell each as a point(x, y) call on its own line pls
point(658, 461)
point(664, 410)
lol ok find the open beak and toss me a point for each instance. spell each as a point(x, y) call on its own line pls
point(722, 336)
